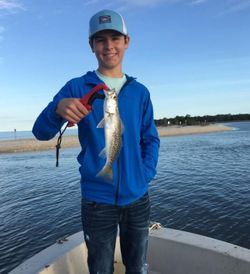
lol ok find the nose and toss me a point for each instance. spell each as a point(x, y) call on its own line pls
point(108, 44)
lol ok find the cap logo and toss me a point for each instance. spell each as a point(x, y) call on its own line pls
point(104, 19)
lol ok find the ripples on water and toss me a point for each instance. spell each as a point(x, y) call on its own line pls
point(39, 203)
point(202, 186)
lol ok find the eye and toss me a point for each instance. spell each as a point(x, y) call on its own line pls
point(99, 40)
point(116, 38)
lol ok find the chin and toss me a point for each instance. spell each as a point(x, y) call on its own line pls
point(111, 66)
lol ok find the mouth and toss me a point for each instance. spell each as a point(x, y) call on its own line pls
point(109, 55)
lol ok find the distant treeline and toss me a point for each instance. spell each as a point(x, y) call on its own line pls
point(201, 120)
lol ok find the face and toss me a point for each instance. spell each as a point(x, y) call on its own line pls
point(109, 47)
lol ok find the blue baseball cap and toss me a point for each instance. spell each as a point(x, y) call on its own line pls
point(107, 20)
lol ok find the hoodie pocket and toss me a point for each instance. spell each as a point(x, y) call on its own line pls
point(142, 170)
point(88, 170)
point(92, 164)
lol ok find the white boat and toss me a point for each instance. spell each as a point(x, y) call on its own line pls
point(170, 252)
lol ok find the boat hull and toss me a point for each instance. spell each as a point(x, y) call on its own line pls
point(170, 251)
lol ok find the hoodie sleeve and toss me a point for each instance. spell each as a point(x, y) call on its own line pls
point(150, 141)
point(48, 123)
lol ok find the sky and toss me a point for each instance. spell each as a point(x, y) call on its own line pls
point(193, 55)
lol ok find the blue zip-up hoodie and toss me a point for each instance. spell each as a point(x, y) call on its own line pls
point(136, 163)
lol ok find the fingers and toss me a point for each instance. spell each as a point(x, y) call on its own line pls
point(78, 110)
point(72, 110)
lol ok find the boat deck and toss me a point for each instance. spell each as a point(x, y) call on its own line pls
point(170, 251)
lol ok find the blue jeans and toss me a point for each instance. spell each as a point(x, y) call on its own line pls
point(100, 224)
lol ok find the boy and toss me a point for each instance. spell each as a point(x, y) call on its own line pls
point(124, 201)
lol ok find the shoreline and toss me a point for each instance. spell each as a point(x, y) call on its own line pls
point(188, 130)
point(28, 145)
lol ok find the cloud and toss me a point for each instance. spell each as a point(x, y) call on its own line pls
point(237, 5)
point(130, 3)
point(91, 2)
point(219, 8)
point(145, 2)
point(197, 2)
point(222, 7)
point(11, 6)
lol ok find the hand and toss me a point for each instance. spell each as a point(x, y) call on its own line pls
point(72, 110)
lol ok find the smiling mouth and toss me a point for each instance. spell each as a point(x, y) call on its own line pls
point(109, 54)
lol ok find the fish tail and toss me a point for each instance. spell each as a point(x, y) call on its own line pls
point(106, 173)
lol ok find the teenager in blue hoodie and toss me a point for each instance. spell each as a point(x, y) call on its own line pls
point(123, 202)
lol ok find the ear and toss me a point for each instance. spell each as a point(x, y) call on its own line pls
point(127, 41)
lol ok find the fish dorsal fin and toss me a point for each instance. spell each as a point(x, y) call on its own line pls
point(122, 126)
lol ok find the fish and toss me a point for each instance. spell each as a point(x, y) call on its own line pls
point(113, 128)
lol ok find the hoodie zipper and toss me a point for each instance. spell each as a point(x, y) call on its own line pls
point(95, 81)
point(129, 80)
point(118, 183)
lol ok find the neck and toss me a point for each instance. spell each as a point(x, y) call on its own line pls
point(111, 73)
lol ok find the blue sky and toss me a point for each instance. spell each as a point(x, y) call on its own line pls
point(193, 55)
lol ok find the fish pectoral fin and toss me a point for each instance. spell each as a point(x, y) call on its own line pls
point(101, 123)
point(103, 154)
point(122, 126)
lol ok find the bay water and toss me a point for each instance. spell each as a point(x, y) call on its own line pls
point(202, 186)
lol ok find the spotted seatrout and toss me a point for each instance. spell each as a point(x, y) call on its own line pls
point(113, 133)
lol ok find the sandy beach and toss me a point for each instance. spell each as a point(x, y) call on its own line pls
point(25, 145)
point(186, 130)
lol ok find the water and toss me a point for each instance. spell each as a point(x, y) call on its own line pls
point(202, 186)
point(13, 135)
